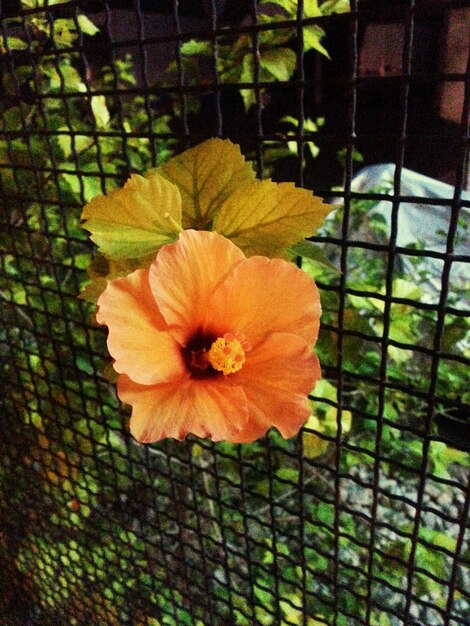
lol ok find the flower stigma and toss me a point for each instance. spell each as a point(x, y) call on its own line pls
point(226, 354)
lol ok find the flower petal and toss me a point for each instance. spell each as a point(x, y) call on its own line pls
point(204, 408)
point(185, 274)
point(262, 296)
point(138, 338)
point(276, 378)
point(253, 431)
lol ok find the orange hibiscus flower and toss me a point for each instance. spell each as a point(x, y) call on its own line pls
point(209, 342)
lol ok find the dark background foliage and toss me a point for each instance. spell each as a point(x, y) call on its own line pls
point(363, 518)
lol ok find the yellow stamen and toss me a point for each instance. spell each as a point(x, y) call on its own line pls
point(226, 354)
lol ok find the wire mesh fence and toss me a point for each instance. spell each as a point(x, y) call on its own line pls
point(363, 517)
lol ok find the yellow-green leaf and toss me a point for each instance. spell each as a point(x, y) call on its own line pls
point(266, 218)
point(86, 25)
point(335, 6)
point(92, 291)
point(194, 47)
point(135, 220)
point(63, 32)
point(309, 250)
point(324, 389)
point(313, 445)
point(313, 34)
point(328, 413)
point(14, 43)
point(110, 373)
point(311, 9)
point(247, 76)
point(100, 111)
point(330, 425)
point(206, 176)
point(68, 142)
point(294, 614)
point(279, 62)
point(101, 270)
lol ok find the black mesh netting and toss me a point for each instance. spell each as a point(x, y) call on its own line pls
point(362, 518)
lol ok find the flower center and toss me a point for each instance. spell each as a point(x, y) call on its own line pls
point(226, 354)
point(207, 356)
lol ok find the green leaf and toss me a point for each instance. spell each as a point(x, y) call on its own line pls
point(312, 36)
point(263, 594)
point(313, 445)
point(335, 6)
point(137, 219)
point(14, 43)
point(206, 176)
point(280, 62)
point(449, 455)
point(289, 119)
point(66, 76)
point(40, 4)
point(64, 32)
point(324, 420)
point(311, 9)
point(309, 250)
point(292, 610)
point(324, 389)
point(329, 423)
point(194, 47)
point(84, 364)
point(100, 111)
point(406, 289)
point(101, 270)
point(310, 126)
point(457, 330)
point(86, 25)
point(79, 142)
point(289, 474)
point(91, 185)
point(247, 76)
point(267, 218)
